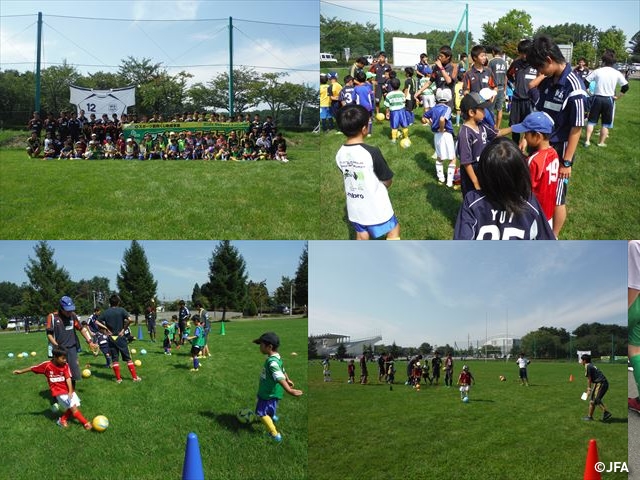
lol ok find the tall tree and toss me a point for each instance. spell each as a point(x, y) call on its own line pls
point(283, 293)
point(613, 39)
point(508, 31)
point(227, 278)
point(138, 72)
point(301, 282)
point(136, 285)
point(196, 293)
point(55, 87)
point(259, 295)
point(245, 84)
point(634, 44)
point(47, 281)
point(10, 299)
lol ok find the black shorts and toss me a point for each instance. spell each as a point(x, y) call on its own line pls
point(598, 391)
point(523, 373)
point(519, 110)
point(195, 350)
point(119, 347)
point(602, 108)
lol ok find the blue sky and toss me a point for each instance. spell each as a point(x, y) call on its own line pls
point(176, 265)
point(444, 292)
point(105, 43)
point(416, 16)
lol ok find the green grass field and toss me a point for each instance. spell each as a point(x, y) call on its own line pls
point(123, 199)
point(150, 420)
point(505, 432)
point(603, 188)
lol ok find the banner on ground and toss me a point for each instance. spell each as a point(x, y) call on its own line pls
point(99, 102)
point(138, 130)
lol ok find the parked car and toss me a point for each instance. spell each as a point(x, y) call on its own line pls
point(328, 57)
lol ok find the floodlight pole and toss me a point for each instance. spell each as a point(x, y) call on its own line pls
point(381, 28)
point(465, 16)
point(230, 67)
point(38, 57)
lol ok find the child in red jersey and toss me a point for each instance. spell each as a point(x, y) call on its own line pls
point(464, 380)
point(544, 163)
point(351, 369)
point(59, 377)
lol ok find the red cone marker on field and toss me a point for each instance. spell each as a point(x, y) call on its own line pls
point(590, 472)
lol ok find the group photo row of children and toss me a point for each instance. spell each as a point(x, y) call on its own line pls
point(71, 138)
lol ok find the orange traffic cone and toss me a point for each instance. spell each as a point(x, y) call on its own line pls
point(590, 472)
point(571, 377)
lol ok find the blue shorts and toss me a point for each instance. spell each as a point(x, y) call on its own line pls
point(377, 231)
point(398, 119)
point(325, 113)
point(266, 407)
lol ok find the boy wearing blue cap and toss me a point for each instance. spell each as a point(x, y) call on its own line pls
point(543, 162)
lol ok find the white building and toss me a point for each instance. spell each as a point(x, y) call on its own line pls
point(503, 342)
point(328, 343)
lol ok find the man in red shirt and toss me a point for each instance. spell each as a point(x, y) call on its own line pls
point(59, 377)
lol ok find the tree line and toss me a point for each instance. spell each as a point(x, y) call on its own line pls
point(227, 289)
point(549, 343)
point(588, 41)
point(291, 104)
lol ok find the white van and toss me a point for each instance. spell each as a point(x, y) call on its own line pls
point(327, 57)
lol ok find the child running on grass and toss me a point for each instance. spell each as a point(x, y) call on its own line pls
point(197, 341)
point(465, 380)
point(367, 178)
point(58, 375)
point(274, 381)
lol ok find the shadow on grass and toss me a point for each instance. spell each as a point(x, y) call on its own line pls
point(227, 421)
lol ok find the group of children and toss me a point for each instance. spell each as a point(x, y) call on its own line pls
point(506, 195)
point(274, 380)
point(165, 146)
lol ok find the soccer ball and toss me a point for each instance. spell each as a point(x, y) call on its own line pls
point(134, 351)
point(245, 415)
point(10, 355)
point(100, 423)
point(380, 116)
point(503, 378)
point(55, 408)
point(465, 399)
point(137, 363)
point(405, 143)
point(86, 373)
point(143, 351)
point(33, 354)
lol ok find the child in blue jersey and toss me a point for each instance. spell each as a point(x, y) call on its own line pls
point(364, 97)
point(274, 381)
point(394, 101)
point(473, 137)
point(506, 207)
point(439, 117)
point(347, 94)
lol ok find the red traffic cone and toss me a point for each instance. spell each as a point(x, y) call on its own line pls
point(590, 472)
point(571, 377)
point(192, 467)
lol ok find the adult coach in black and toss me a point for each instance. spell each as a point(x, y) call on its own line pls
point(61, 331)
point(116, 320)
point(183, 318)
